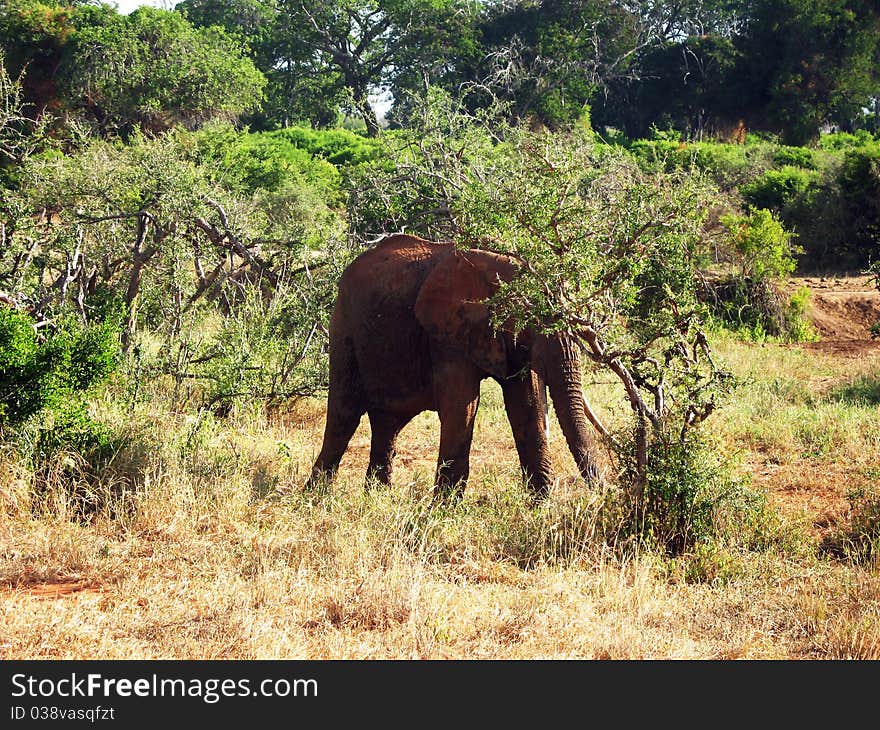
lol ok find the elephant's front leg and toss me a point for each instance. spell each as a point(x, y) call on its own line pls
point(526, 404)
point(457, 394)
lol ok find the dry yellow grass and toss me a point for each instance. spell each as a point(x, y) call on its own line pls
point(218, 554)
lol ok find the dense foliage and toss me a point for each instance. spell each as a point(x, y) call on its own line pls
point(790, 68)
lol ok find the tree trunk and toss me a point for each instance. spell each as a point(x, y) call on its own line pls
point(364, 108)
point(140, 257)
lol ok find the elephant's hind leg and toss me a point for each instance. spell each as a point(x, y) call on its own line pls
point(384, 427)
point(342, 422)
point(345, 407)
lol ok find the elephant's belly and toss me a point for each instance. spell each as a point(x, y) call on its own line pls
point(395, 367)
point(399, 397)
point(405, 406)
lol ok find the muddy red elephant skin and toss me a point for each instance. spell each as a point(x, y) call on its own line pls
point(410, 332)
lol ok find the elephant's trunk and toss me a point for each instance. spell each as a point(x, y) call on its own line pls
point(564, 381)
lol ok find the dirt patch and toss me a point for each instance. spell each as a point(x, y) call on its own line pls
point(54, 588)
point(842, 308)
point(844, 348)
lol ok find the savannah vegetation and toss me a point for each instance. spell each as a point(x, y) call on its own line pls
point(180, 191)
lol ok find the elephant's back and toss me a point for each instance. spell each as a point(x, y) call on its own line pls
point(392, 257)
point(389, 274)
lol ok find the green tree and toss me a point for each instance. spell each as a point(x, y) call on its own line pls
point(549, 58)
point(152, 69)
point(163, 224)
point(219, 249)
point(250, 21)
point(352, 49)
point(682, 85)
point(35, 37)
point(632, 62)
point(786, 67)
point(809, 62)
point(299, 87)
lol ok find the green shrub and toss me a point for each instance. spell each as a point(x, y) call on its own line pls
point(798, 327)
point(45, 380)
point(859, 182)
point(833, 205)
point(264, 351)
point(692, 500)
point(757, 310)
point(339, 147)
point(729, 165)
point(265, 162)
point(51, 372)
point(761, 247)
point(25, 376)
point(780, 189)
point(795, 157)
point(67, 427)
point(829, 197)
point(839, 141)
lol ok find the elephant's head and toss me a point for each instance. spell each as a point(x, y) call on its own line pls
point(452, 308)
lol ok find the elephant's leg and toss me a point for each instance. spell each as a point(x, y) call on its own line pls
point(457, 391)
point(342, 422)
point(344, 410)
point(525, 401)
point(384, 427)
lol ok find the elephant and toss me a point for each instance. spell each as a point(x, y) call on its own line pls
point(410, 331)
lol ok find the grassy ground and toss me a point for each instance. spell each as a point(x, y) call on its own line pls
point(216, 553)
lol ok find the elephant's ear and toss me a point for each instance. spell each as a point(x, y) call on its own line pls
point(451, 307)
